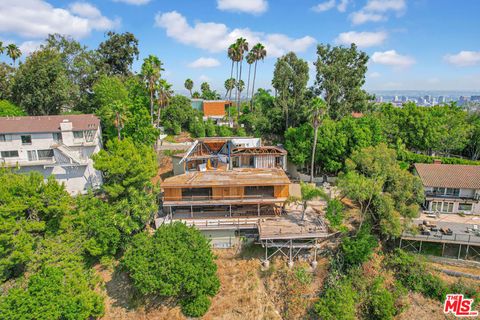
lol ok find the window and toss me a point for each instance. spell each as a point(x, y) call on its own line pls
point(57, 136)
point(447, 207)
point(32, 155)
point(437, 190)
point(78, 134)
point(26, 139)
point(5, 137)
point(89, 135)
point(9, 154)
point(465, 207)
point(436, 206)
point(452, 192)
point(45, 154)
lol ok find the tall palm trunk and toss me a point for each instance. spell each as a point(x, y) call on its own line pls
point(239, 92)
point(248, 81)
point(315, 132)
point(253, 83)
point(151, 101)
point(236, 87)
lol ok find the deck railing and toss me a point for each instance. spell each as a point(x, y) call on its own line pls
point(468, 238)
point(219, 197)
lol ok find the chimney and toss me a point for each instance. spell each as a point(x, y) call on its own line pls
point(437, 161)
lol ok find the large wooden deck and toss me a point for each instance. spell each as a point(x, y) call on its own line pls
point(291, 227)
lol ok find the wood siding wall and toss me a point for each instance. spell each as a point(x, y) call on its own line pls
point(227, 192)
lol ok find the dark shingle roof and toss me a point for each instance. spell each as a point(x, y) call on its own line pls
point(37, 124)
point(449, 175)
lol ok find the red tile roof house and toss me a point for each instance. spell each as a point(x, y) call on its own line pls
point(450, 188)
point(53, 145)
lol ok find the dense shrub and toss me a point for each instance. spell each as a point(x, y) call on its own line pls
point(356, 250)
point(412, 273)
point(337, 302)
point(381, 303)
point(175, 262)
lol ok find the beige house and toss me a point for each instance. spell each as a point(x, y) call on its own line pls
point(450, 188)
point(60, 145)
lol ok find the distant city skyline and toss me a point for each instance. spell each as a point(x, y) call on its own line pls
point(417, 44)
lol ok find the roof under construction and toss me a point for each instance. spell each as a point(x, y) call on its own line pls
point(235, 177)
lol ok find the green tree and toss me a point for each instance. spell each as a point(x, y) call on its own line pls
point(179, 113)
point(383, 191)
point(337, 302)
point(210, 129)
point(6, 81)
point(9, 109)
point(117, 53)
point(357, 250)
point(381, 303)
point(80, 64)
point(340, 77)
point(290, 78)
point(473, 146)
point(298, 142)
point(151, 73)
point(175, 262)
point(189, 86)
point(317, 110)
point(29, 208)
point(126, 166)
point(98, 222)
point(13, 52)
point(41, 84)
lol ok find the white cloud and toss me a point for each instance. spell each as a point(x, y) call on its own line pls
point(248, 6)
point(361, 17)
point(385, 5)
point(204, 63)
point(392, 58)
point(38, 18)
point(377, 10)
point(463, 58)
point(362, 39)
point(135, 2)
point(28, 47)
point(374, 75)
point(342, 5)
point(330, 4)
point(324, 6)
point(216, 37)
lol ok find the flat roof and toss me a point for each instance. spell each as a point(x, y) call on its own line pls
point(39, 124)
point(235, 177)
point(449, 175)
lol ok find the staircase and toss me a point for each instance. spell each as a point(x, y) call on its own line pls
point(71, 154)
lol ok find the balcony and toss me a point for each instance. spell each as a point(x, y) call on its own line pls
point(431, 194)
point(220, 200)
point(42, 161)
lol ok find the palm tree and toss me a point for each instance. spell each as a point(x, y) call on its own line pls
point(13, 52)
point(308, 192)
point(229, 86)
point(231, 52)
point(165, 92)
point(189, 86)
point(151, 72)
point(259, 53)
point(250, 60)
point(242, 47)
point(240, 86)
point(317, 110)
point(2, 48)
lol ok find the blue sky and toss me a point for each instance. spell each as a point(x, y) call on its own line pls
point(416, 44)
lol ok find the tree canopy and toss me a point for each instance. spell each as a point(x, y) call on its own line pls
point(175, 262)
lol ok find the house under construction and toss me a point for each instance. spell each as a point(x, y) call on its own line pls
point(229, 187)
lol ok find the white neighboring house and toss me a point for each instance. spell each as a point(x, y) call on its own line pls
point(450, 188)
point(61, 146)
